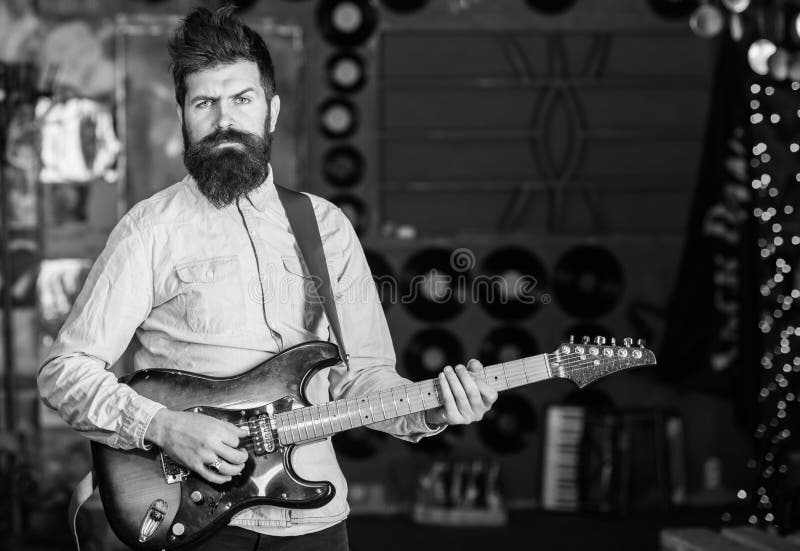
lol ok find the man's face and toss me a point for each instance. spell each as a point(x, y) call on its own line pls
point(227, 124)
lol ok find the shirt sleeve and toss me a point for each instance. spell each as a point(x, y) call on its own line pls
point(74, 378)
point(367, 340)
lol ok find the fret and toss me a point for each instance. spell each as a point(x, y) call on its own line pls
point(380, 399)
point(305, 422)
point(408, 401)
point(314, 422)
point(394, 401)
point(327, 407)
point(290, 425)
point(363, 419)
point(339, 415)
point(324, 415)
point(421, 396)
point(372, 409)
point(293, 425)
point(403, 400)
point(350, 404)
point(503, 369)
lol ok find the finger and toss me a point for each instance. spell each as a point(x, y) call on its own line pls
point(462, 401)
point(448, 401)
point(232, 434)
point(475, 367)
point(211, 476)
point(470, 387)
point(204, 470)
point(488, 394)
point(234, 456)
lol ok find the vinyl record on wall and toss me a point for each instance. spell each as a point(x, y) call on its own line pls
point(359, 443)
point(550, 7)
point(588, 281)
point(385, 280)
point(404, 6)
point(509, 425)
point(343, 166)
point(337, 118)
point(428, 351)
point(673, 9)
point(504, 344)
point(346, 72)
point(355, 210)
point(433, 288)
point(346, 22)
point(512, 281)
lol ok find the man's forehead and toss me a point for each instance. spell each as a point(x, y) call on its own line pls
point(229, 75)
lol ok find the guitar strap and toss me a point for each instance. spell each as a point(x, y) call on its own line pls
point(300, 213)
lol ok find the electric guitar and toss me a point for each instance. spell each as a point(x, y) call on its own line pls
point(152, 502)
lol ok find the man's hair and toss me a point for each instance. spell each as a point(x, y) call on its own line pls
point(206, 39)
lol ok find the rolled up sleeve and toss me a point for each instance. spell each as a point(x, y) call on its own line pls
point(367, 340)
point(74, 379)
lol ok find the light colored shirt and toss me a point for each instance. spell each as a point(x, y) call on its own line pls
point(217, 292)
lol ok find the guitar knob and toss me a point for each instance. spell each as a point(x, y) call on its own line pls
point(627, 341)
point(178, 529)
point(196, 496)
point(641, 343)
point(572, 339)
point(586, 340)
point(600, 341)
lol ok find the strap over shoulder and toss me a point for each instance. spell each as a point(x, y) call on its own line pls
point(300, 213)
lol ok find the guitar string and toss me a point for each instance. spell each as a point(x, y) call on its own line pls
point(510, 370)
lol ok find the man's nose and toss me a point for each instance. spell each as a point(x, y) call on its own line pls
point(224, 117)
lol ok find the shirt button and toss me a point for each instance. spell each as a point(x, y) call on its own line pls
point(210, 274)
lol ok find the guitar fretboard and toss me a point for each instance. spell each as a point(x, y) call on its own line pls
point(319, 421)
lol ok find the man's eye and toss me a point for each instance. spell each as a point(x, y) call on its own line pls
point(242, 101)
point(203, 104)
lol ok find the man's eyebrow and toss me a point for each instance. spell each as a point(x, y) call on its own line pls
point(214, 98)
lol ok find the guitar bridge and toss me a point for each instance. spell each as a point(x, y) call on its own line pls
point(173, 471)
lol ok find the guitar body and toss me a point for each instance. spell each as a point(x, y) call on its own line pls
point(153, 506)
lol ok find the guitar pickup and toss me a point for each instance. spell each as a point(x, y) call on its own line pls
point(173, 471)
point(261, 434)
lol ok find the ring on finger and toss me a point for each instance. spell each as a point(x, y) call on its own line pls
point(215, 466)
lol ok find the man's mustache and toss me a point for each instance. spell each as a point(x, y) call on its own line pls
point(230, 135)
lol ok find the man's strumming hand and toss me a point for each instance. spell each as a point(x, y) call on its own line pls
point(196, 441)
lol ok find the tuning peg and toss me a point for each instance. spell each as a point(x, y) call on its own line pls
point(586, 340)
point(613, 341)
point(572, 339)
point(641, 343)
point(627, 341)
point(600, 341)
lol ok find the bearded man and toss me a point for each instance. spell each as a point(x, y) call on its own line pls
point(206, 278)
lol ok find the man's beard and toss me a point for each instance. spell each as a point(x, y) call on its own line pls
point(224, 174)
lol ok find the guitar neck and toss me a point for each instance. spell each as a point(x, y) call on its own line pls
point(323, 420)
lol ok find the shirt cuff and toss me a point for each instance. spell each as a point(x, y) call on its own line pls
point(147, 411)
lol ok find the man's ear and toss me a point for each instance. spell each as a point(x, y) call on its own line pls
point(180, 114)
point(274, 111)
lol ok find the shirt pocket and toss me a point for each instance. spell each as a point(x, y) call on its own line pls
point(213, 295)
point(307, 309)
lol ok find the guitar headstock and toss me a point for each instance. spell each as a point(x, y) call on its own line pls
point(589, 360)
